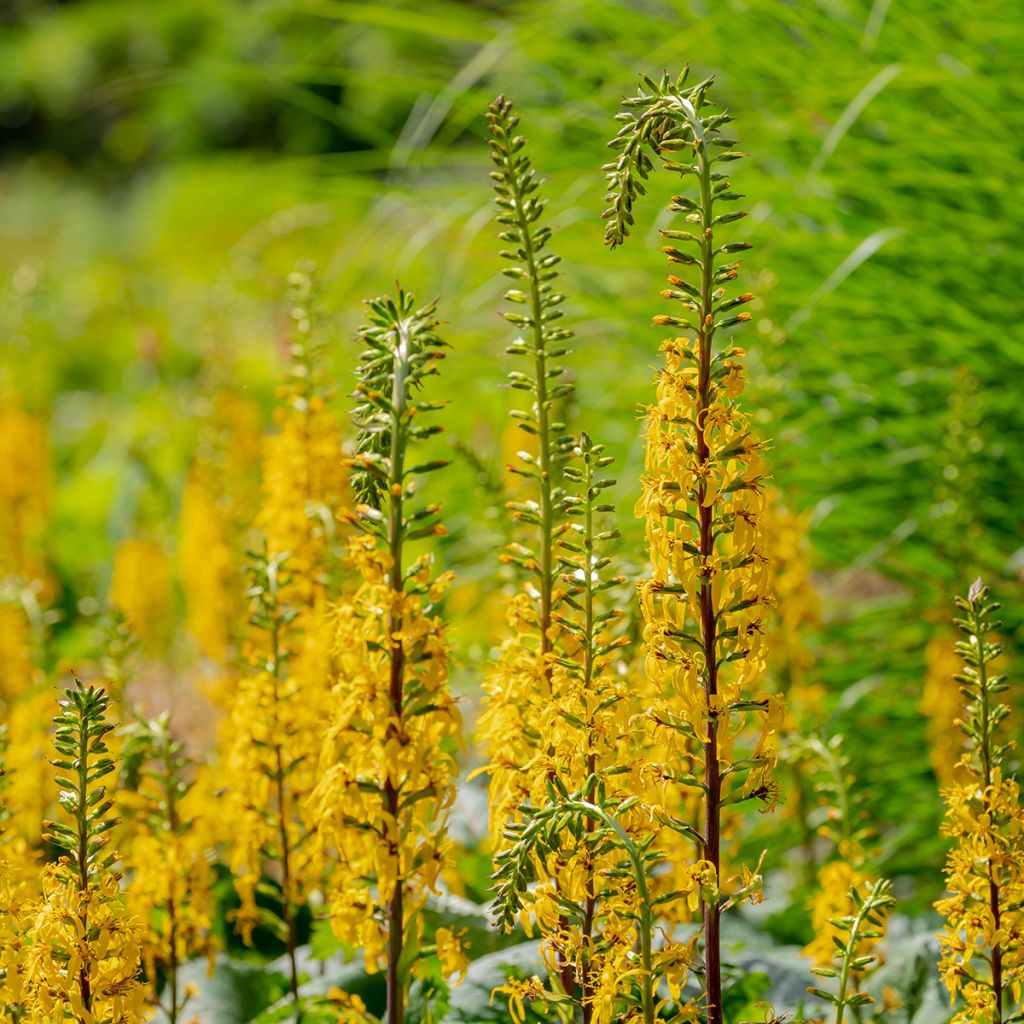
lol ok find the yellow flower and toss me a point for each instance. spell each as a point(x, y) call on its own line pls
point(18, 670)
point(303, 472)
point(83, 951)
point(451, 954)
point(170, 890)
point(83, 955)
point(519, 994)
point(832, 901)
point(941, 703)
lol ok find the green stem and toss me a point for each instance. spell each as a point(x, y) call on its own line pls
point(588, 676)
point(850, 954)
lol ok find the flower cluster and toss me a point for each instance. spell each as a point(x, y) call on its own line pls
point(706, 604)
point(303, 478)
point(220, 491)
point(983, 943)
point(83, 948)
point(16, 869)
point(171, 885)
point(520, 684)
point(269, 767)
point(24, 491)
point(387, 770)
point(586, 908)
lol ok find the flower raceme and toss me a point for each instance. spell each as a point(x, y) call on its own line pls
point(83, 953)
point(705, 605)
point(983, 942)
point(590, 867)
point(275, 725)
point(387, 768)
point(557, 710)
point(303, 475)
point(17, 866)
point(171, 885)
point(217, 502)
point(519, 684)
point(269, 768)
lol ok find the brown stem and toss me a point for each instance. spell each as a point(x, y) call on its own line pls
point(986, 760)
point(708, 622)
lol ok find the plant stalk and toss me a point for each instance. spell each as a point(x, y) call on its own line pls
point(396, 538)
point(708, 621)
point(986, 760)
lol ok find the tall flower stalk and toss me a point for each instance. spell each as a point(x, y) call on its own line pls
point(983, 943)
point(521, 681)
point(84, 949)
point(703, 495)
point(579, 862)
point(268, 770)
point(303, 475)
point(171, 884)
point(387, 770)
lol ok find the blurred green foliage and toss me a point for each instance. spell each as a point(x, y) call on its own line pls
point(163, 165)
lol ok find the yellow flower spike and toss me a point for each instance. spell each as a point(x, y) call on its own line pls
point(983, 942)
point(701, 500)
point(83, 946)
point(170, 888)
point(386, 776)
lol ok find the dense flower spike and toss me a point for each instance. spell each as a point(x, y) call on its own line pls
point(797, 610)
point(269, 770)
point(983, 944)
point(83, 956)
point(171, 883)
point(941, 704)
point(303, 476)
point(387, 771)
point(703, 494)
point(588, 904)
point(521, 681)
point(25, 585)
point(220, 493)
